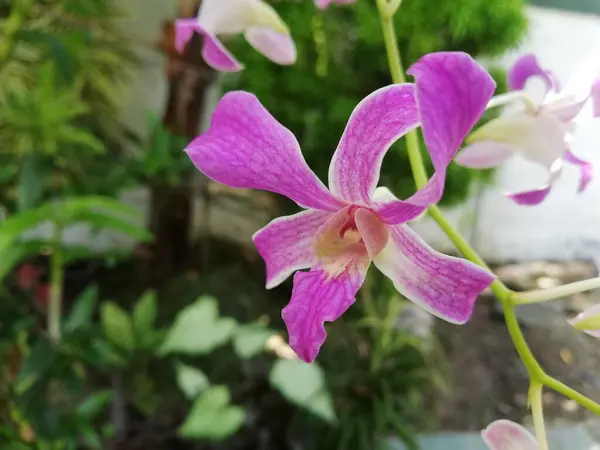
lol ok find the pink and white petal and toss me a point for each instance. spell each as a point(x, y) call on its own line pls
point(372, 231)
point(184, 30)
point(536, 196)
point(392, 210)
point(452, 92)
point(323, 4)
point(236, 16)
point(539, 138)
point(246, 147)
point(318, 298)
point(526, 67)
point(278, 47)
point(376, 123)
point(484, 154)
point(444, 285)
point(570, 101)
point(507, 435)
point(217, 56)
point(587, 314)
point(586, 170)
point(596, 98)
point(286, 244)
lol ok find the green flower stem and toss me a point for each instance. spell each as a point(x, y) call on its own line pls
point(56, 285)
point(504, 295)
point(537, 411)
point(537, 296)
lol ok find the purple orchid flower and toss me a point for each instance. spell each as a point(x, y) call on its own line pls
point(323, 4)
point(344, 229)
point(261, 25)
point(542, 133)
point(507, 435)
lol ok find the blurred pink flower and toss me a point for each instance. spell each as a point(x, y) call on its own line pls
point(262, 27)
point(322, 4)
point(507, 435)
point(541, 133)
point(344, 229)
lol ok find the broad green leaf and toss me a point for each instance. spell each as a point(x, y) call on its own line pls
point(32, 176)
point(198, 329)
point(190, 380)
point(36, 367)
point(117, 325)
point(212, 417)
point(81, 315)
point(249, 340)
point(304, 385)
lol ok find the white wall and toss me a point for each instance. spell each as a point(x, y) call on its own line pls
point(566, 225)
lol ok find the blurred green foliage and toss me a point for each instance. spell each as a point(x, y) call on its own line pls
point(341, 59)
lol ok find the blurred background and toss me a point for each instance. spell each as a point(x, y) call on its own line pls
point(133, 313)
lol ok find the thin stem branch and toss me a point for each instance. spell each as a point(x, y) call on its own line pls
point(537, 411)
point(565, 290)
point(56, 285)
point(571, 393)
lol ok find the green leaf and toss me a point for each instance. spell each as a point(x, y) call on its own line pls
point(32, 176)
point(117, 325)
point(304, 385)
point(198, 329)
point(212, 417)
point(144, 314)
point(249, 340)
point(81, 315)
point(95, 404)
point(190, 380)
point(36, 367)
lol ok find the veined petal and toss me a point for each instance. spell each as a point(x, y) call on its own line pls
point(596, 98)
point(246, 147)
point(526, 67)
point(236, 16)
point(588, 321)
point(452, 93)
point(287, 244)
point(507, 435)
point(484, 154)
point(184, 30)
point(217, 56)
point(539, 138)
point(586, 170)
point(536, 196)
point(375, 124)
point(444, 285)
point(278, 47)
point(318, 298)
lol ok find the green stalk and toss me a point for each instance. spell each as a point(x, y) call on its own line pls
point(537, 411)
point(504, 295)
point(56, 284)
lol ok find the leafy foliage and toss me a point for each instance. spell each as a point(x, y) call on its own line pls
point(341, 59)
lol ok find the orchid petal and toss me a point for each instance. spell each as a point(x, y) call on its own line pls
point(236, 16)
point(482, 155)
point(286, 244)
point(588, 321)
point(571, 99)
point(323, 4)
point(452, 92)
point(184, 30)
point(526, 67)
point(586, 169)
point(539, 138)
point(537, 195)
point(217, 56)
point(507, 435)
point(595, 94)
point(373, 231)
point(444, 285)
point(278, 47)
point(246, 147)
point(376, 123)
point(318, 298)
